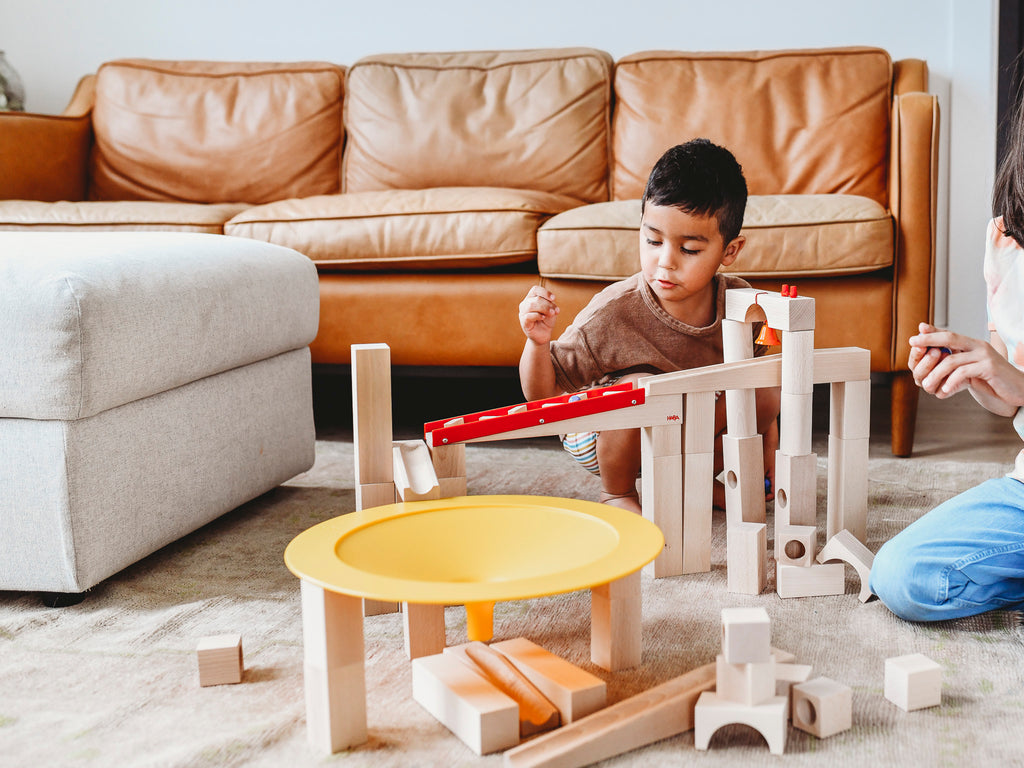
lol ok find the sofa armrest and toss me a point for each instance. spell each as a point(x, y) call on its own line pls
point(913, 192)
point(46, 157)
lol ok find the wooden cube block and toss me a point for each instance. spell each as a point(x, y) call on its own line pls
point(483, 717)
point(812, 581)
point(913, 682)
point(748, 684)
point(796, 544)
point(746, 635)
point(747, 557)
point(822, 707)
point(220, 659)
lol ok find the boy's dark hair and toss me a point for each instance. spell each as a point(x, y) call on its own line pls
point(700, 178)
point(1008, 190)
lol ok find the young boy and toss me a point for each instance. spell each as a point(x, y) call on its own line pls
point(667, 317)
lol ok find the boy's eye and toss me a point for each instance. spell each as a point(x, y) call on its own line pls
point(689, 251)
point(653, 242)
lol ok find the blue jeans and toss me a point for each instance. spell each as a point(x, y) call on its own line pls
point(964, 557)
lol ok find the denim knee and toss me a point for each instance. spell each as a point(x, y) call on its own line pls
point(897, 580)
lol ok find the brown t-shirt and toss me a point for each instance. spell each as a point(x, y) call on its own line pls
point(624, 330)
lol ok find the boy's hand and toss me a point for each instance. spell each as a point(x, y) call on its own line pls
point(537, 313)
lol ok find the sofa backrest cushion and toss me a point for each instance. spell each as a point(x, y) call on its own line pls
point(535, 119)
point(216, 132)
point(799, 122)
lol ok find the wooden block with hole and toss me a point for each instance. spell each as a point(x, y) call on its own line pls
point(220, 659)
point(746, 635)
point(747, 557)
point(844, 546)
point(812, 581)
point(743, 458)
point(822, 707)
point(796, 544)
point(770, 719)
point(796, 489)
point(484, 718)
point(913, 682)
point(574, 691)
point(748, 684)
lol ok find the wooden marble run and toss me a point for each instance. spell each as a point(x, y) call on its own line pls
point(675, 412)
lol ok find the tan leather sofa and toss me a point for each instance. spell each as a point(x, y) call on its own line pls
point(432, 190)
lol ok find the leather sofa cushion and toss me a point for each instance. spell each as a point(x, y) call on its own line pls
point(799, 122)
point(133, 215)
point(787, 235)
point(533, 119)
point(449, 227)
point(216, 132)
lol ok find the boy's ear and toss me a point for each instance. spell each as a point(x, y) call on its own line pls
point(732, 250)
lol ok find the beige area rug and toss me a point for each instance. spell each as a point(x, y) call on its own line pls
point(113, 681)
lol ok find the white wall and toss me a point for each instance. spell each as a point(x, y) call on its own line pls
point(53, 42)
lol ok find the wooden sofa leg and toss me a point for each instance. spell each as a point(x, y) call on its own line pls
point(904, 412)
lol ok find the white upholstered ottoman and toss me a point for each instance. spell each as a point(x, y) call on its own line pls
point(149, 382)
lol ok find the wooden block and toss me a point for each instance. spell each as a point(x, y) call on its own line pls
point(747, 557)
point(798, 362)
point(657, 713)
point(812, 581)
point(466, 703)
point(850, 409)
point(371, 409)
point(423, 628)
point(375, 495)
point(743, 458)
point(913, 682)
point(662, 440)
point(786, 676)
point(746, 635)
point(822, 707)
point(737, 339)
point(616, 639)
point(769, 719)
point(536, 713)
point(452, 486)
point(574, 691)
point(795, 424)
point(796, 490)
point(699, 425)
point(796, 544)
point(841, 364)
point(661, 482)
point(847, 487)
point(415, 479)
point(741, 412)
point(334, 668)
point(698, 502)
point(747, 684)
point(449, 460)
point(782, 313)
point(843, 546)
point(782, 657)
point(220, 659)
point(379, 607)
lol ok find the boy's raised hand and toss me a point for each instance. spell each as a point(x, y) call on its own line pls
point(537, 314)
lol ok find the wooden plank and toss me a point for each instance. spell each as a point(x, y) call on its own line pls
point(847, 503)
point(657, 713)
point(661, 480)
point(371, 408)
point(698, 500)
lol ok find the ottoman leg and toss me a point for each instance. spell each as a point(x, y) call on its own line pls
point(335, 676)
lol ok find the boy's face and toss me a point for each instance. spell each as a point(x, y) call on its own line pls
point(679, 255)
